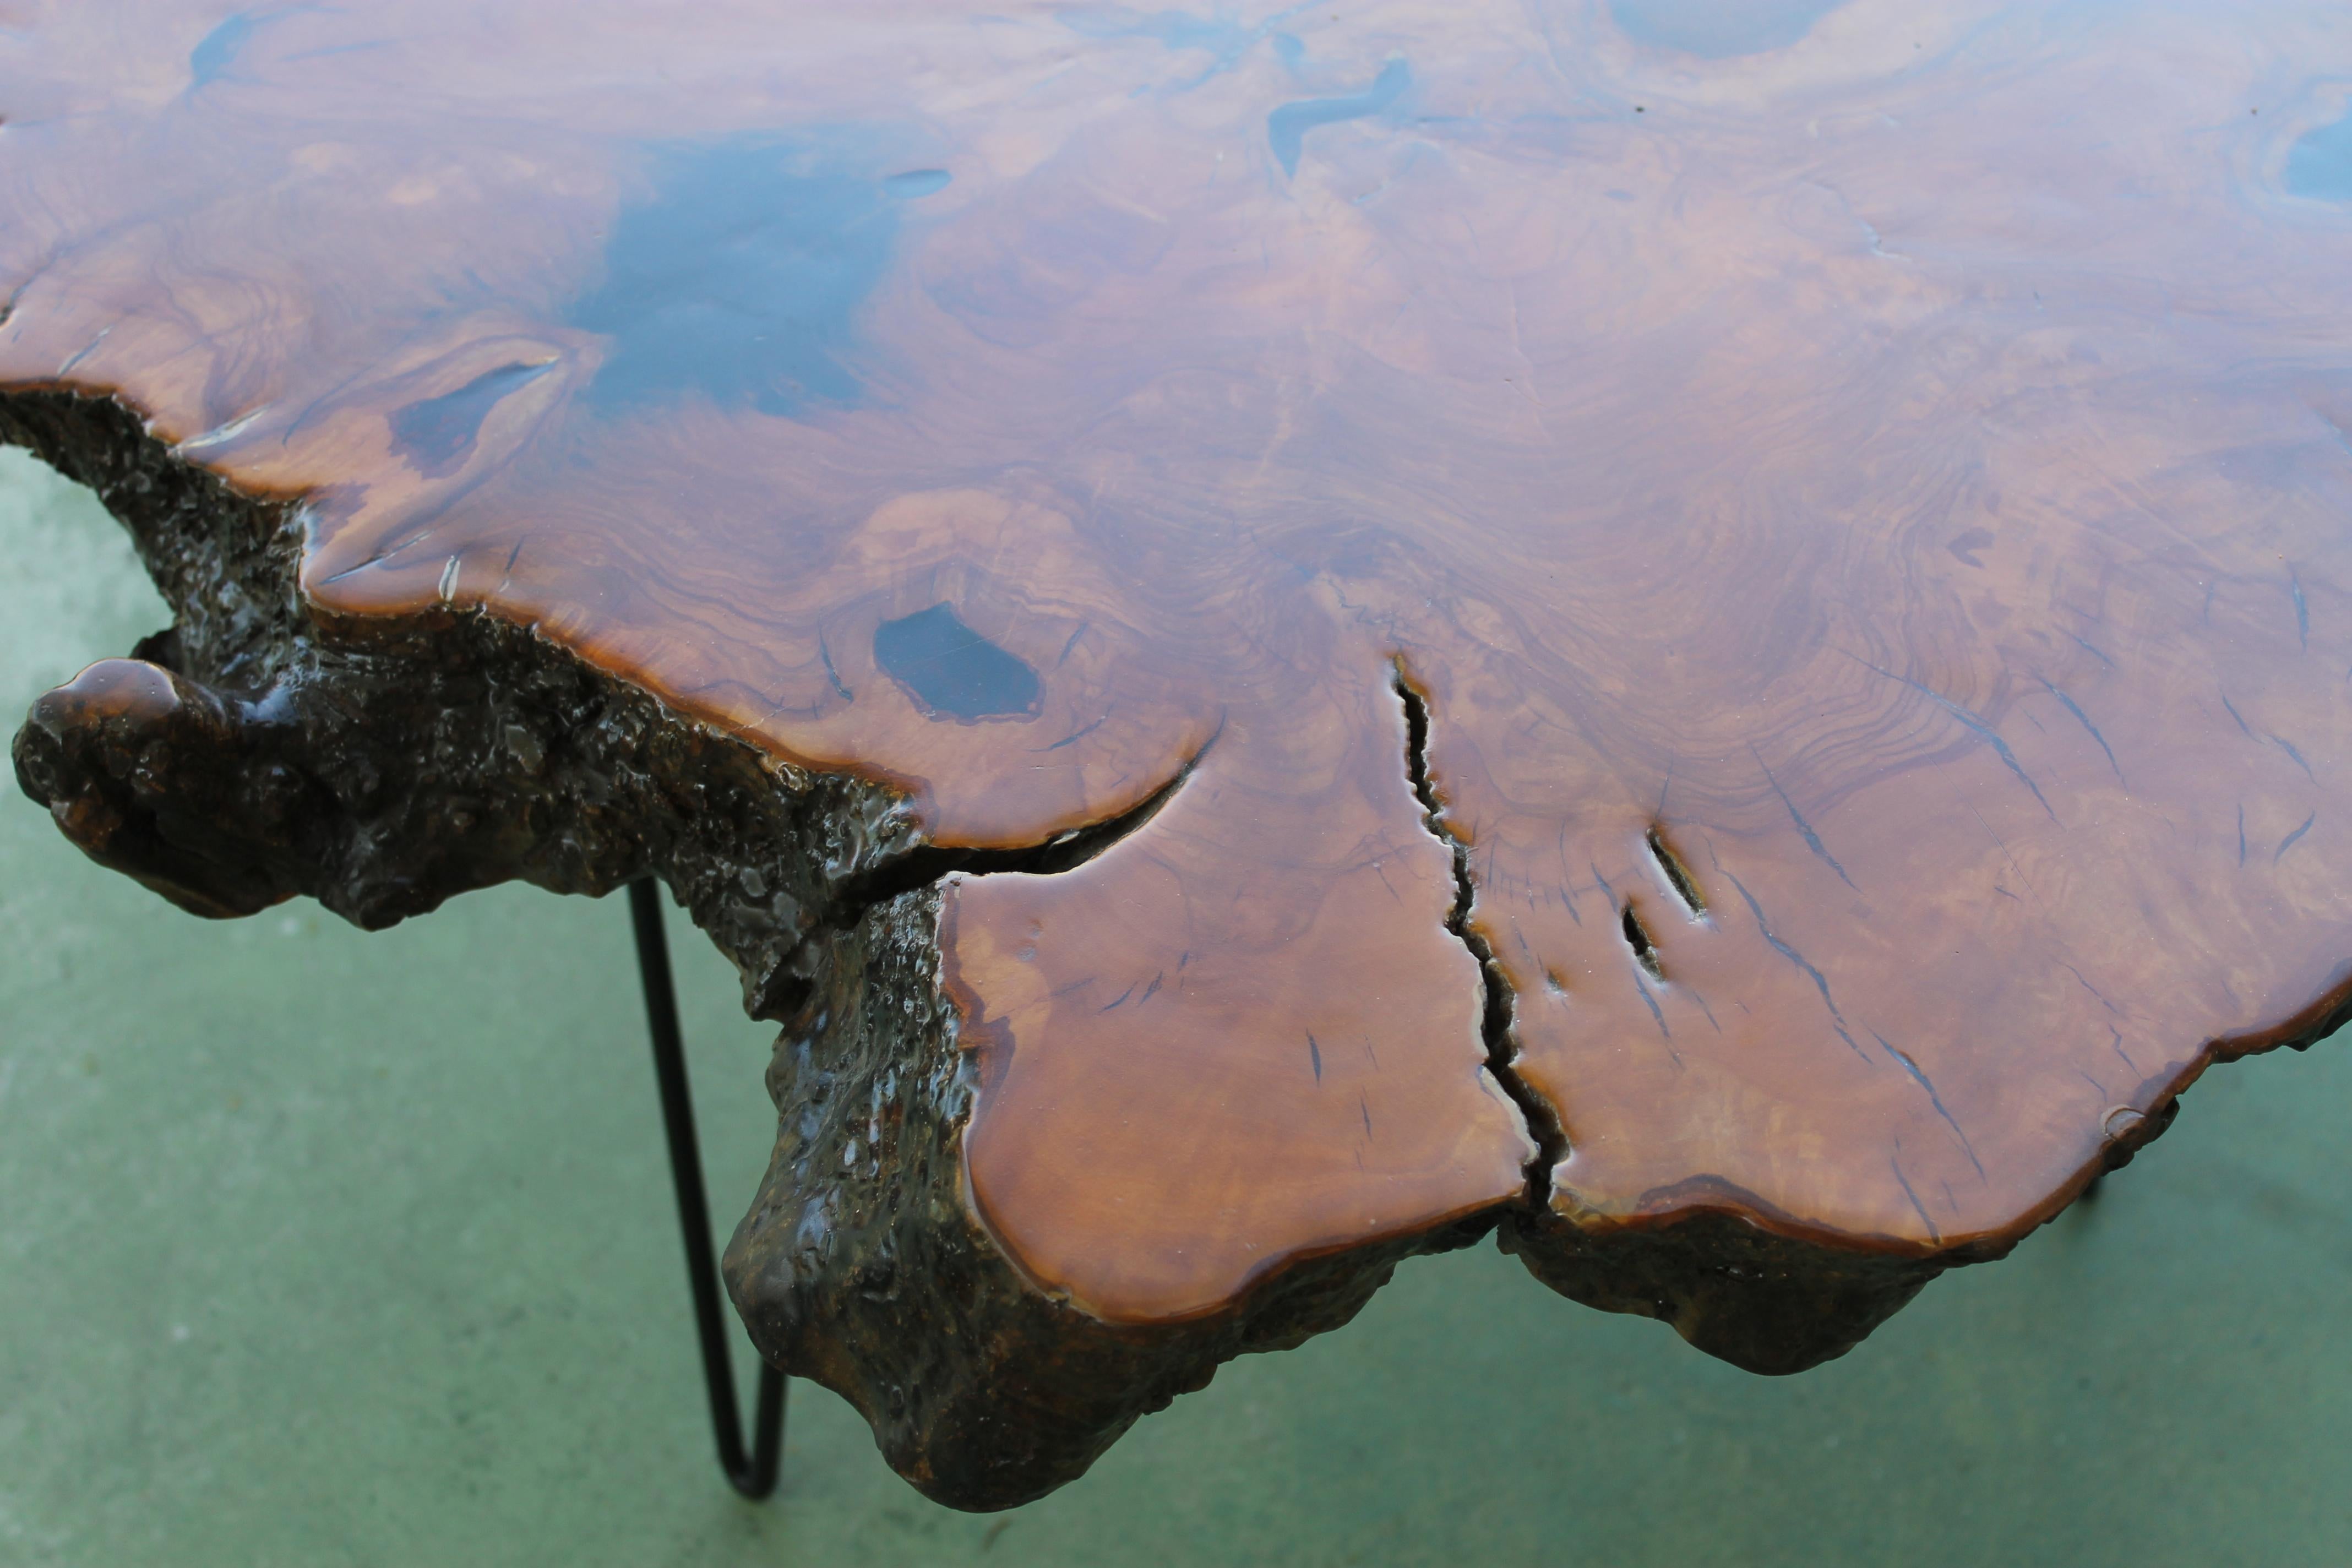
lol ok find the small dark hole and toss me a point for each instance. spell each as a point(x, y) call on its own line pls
point(1645, 950)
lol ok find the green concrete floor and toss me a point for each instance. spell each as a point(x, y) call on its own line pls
point(322, 1248)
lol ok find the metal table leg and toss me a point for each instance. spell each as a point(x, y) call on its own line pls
point(753, 1475)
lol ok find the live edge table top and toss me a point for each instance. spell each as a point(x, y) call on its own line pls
point(1718, 634)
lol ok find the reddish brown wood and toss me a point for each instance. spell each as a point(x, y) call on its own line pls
point(1836, 514)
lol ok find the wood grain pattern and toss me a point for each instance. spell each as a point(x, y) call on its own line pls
point(1727, 626)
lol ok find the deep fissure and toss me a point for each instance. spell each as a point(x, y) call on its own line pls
point(791, 984)
point(1065, 852)
point(1637, 937)
point(1496, 1016)
point(1677, 874)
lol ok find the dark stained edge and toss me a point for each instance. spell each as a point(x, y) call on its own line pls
point(981, 1390)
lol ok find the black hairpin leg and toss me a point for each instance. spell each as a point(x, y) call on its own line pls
point(753, 1475)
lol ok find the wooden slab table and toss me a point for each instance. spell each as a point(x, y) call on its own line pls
point(1714, 639)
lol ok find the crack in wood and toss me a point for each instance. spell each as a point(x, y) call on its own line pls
point(1495, 1017)
point(1065, 852)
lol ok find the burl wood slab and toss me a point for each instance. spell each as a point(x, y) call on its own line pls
point(1712, 637)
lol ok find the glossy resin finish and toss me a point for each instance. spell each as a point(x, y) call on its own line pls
point(1695, 619)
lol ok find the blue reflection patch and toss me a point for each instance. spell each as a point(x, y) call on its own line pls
point(950, 669)
point(917, 182)
point(1172, 29)
point(2320, 164)
point(740, 277)
point(438, 434)
point(1288, 126)
point(1720, 29)
point(216, 50)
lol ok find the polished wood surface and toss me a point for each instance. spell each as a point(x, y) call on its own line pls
point(1856, 497)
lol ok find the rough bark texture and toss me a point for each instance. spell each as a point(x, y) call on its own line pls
point(381, 766)
point(257, 750)
point(862, 1266)
point(1764, 1302)
point(1727, 640)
